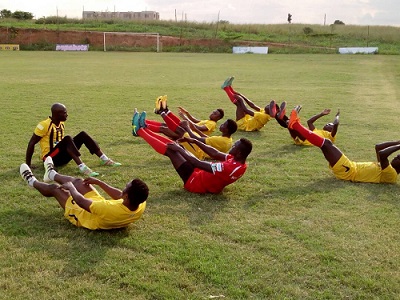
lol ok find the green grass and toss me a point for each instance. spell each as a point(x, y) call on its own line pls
point(286, 230)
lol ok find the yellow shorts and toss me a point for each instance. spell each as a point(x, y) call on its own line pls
point(297, 141)
point(345, 169)
point(250, 123)
point(75, 214)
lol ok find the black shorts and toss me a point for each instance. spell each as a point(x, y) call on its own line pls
point(185, 171)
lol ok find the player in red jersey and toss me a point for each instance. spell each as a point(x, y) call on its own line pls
point(198, 176)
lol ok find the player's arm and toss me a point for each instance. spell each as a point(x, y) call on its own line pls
point(210, 151)
point(187, 115)
point(383, 151)
point(314, 118)
point(78, 197)
point(199, 127)
point(185, 125)
point(31, 148)
point(335, 124)
point(250, 103)
point(192, 124)
point(199, 132)
point(199, 164)
point(113, 192)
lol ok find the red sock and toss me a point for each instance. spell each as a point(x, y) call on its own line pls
point(174, 117)
point(231, 93)
point(158, 142)
point(171, 120)
point(153, 125)
point(313, 138)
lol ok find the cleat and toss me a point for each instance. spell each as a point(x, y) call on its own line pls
point(164, 103)
point(110, 162)
point(282, 111)
point(157, 110)
point(294, 117)
point(142, 120)
point(227, 82)
point(27, 174)
point(88, 172)
point(231, 80)
point(48, 166)
point(272, 109)
point(135, 122)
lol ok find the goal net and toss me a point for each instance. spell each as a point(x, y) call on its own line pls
point(121, 40)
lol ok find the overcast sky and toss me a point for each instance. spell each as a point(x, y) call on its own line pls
point(356, 12)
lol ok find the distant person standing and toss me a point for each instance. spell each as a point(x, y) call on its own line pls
point(50, 134)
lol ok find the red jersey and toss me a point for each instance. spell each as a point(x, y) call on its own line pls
point(224, 173)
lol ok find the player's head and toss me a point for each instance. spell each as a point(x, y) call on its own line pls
point(395, 163)
point(328, 127)
point(136, 191)
point(241, 149)
point(217, 114)
point(229, 127)
point(58, 112)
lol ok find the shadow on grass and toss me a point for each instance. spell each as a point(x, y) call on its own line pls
point(202, 207)
point(43, 233)
point(373, 192)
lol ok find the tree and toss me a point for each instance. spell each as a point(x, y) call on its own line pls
point(5, 13)
point(289, 18)
point(338, 22)
point(22, 15)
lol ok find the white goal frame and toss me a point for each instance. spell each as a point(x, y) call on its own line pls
point(156, 34)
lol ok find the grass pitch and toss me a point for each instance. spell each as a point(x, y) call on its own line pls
point(287, 229)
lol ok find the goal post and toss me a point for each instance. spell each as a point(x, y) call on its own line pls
point(148, 37)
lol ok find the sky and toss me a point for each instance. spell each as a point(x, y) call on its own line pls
point(323, 12)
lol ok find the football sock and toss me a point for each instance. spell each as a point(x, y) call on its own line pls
point(156, 141)
point(174, 117)
point(231, 94)
point(104, 157)
point(153, 125)
point(313, 138)
point(31, 181)
point(52, 174)
point(171, 120)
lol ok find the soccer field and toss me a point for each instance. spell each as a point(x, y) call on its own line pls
point(286, 230)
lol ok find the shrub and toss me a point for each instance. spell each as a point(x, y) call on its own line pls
point(308, 30)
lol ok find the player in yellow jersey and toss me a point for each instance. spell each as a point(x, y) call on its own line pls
point(251, 118)
point(50, 134)
point(221, 142)
point(83, 205)
point(329, 130)
point(202, 126)
point(181, 129)
point(381, 171)
point(205, 126)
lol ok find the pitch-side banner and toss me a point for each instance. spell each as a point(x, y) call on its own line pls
point(72, 47)
point(9, 47)
point(257, 50)
point(355, 50)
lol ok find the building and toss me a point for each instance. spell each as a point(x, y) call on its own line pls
point(130, 15)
